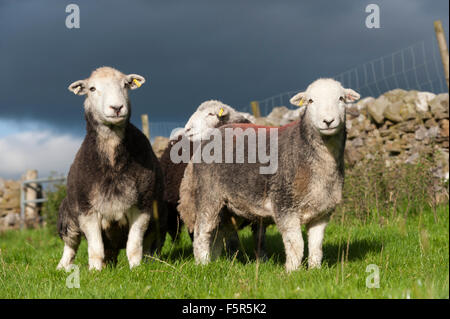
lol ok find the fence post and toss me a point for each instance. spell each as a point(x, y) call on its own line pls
point(31, 193)
point(255, 108)
point(442, 46)
point(22, 205)
point(145, 127)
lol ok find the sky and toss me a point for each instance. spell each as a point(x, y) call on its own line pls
point(189, 52)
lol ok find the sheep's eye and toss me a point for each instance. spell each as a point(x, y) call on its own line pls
point(341, 99)
point(310, 101)
point(92, 89)
point(211, 114)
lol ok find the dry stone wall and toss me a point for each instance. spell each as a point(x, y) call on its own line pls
point(401, 125)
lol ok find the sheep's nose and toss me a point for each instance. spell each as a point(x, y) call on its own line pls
point(117, 108)
point(328, 123)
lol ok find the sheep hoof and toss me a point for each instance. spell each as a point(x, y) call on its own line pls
point(134, 260)
point(95, 268)
point(290, 267)
point(314, 265)
point(62, 266)
point(96, 264)
point(201, 262)
point(134, 264)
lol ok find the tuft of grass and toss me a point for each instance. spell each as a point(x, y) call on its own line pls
point(373, 191)
point(411, 253)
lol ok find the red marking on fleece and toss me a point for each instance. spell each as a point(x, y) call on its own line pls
point(245, 126)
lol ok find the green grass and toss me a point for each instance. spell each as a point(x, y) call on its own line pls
point(412, 255)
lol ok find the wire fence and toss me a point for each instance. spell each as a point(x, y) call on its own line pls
point(163, 128)
point(416, 67)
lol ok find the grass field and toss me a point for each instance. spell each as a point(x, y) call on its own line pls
point(412, 255)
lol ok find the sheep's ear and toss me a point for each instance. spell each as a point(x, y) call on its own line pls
point(298, 99)
point(221, 112)
point(135, 81)
point(351, 96)
point(78, 87)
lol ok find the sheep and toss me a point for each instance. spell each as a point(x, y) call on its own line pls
point(115, 182)
point(210, 114)
point(304, 189)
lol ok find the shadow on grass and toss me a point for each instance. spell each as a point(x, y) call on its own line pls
point(178, 250)
point(357, 250)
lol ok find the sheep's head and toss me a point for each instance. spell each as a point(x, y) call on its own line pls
point(325, 101)
point(106, 93)
point(211, 114)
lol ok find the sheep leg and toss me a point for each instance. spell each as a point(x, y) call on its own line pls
point(173, 221)
point(148, 249)
point(217, 243)
point(202, 240)
point(232, 242)
point(225, 236)
point(138, 225)
point(70, 250)
point(316, 231)
point(111, 256)
point(259, 239)
point(150, 246)
point(91, 226)
point(289, 227)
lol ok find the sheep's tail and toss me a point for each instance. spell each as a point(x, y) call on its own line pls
point(187, 203)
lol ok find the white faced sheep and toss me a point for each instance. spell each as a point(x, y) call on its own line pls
point(115, 181)
point(210, 114)
point(305, 188)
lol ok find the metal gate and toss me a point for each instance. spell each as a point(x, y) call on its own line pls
point(27, 184)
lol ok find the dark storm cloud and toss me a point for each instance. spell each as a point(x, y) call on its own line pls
point(191, 51)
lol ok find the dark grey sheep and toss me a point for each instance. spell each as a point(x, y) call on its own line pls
point(115, 182)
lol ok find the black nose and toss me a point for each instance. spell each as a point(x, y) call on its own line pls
point(117, 108)
point(328, 123)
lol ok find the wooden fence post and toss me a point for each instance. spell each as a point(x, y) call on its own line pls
point(442, 46)
point(145, 126)
point(31, 192)
point(255, 108)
